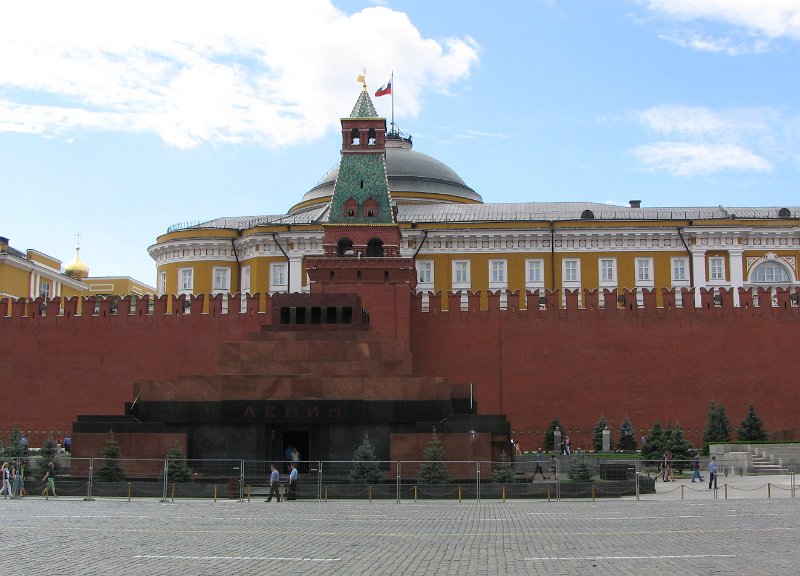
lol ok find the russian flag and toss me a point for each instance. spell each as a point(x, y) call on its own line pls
point(385, 89)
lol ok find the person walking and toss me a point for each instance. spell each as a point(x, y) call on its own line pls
point(20, 490)
point(291, 490)
point(5, 479)
point(712, 473)
point(696, 474)
point(49, 479)
point(537, 458)
point(274, 484)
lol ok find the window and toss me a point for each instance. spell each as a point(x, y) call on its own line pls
point(186, 279)
point(608, 272)
point(44, 290)
point(716, 269)
point(162, 282)
point(770, 273)
point(680, 271)
point(534, 273)
point(572, 271)
point(425, 273)
point(644, 272)
point(277, 277)
point(245, 279)
point(222, 279)
point(497, 274)
point(461, 274)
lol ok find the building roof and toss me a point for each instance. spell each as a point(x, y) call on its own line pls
point(408, 171)
point(445, 212)
point(364, 107)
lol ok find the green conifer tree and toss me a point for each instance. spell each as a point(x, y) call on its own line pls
point(548, 434)
point(14, 448)
point(177, 470)
point(597, 433)
point(504, 473)
point(752, 427)
point(47, 454)
point(626, 439)
point(110, 470)
point(366, 469)
point(653, 448)
point(580, 471)
point(718, 427)
point(434, 470)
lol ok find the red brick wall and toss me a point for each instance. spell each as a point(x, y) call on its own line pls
point(52, 369)
point(577, 365)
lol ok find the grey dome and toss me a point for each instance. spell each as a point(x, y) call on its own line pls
point(413, 178)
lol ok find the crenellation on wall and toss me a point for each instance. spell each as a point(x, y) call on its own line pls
point(634, 301)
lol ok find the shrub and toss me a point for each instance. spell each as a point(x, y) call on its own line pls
point(366, 469)
point(434, 470)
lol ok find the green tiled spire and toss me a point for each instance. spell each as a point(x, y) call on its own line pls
point(361, 176)
point(364, 107)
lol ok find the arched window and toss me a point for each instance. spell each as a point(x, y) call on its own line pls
point(354, 139)
point(350, 207)
point(371, 137)
point(375, 248)
point(344, 247)
point(770, 272)
point(587, 215)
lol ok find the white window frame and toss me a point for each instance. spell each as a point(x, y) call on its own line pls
point(571, 272)
point(684, 265)
point(716, 270)
point(605, 279)
point(462, 278)
point(44, 289)
point(644, 274)
point(425, 274)
point(766, 281)
point(245, 288)
point(162, 282)
point(185, 280)
point(498, 274)
point(221, 273)
point(534, 273)
point(279, 277)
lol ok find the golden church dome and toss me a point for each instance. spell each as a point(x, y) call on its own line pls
point(76, 268)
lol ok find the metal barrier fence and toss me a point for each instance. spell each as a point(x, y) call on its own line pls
point(543, 477)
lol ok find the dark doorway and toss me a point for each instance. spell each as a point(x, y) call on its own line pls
point(297, 439)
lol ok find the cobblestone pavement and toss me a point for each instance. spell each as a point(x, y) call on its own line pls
point(201, 537)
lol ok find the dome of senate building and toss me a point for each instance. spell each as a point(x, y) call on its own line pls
point(414, 178)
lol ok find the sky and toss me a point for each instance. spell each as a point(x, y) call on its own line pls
point(120, 119)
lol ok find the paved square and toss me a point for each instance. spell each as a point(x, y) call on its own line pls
point(197, 537)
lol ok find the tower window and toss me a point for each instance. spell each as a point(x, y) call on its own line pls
point(370, 207)
point(371, 137)
point(354, 139)
point(375, 248)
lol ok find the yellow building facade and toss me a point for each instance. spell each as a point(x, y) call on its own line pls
point(460, 244)
point(32, 274)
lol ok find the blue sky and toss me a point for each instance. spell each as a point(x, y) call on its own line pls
point(120, 119)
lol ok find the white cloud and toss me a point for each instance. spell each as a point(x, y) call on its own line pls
point(699, 140)
point(195, 72)
point(689, 159)
point(754, 24)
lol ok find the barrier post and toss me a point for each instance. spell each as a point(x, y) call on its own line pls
point(504, 493)
point(248, 492)
point(726, 490)
point(415, 494)
point(369, 493)
point(769, 493)
point(129, 491)
point(326, 493)
point(215, 492)
point(592, 491)
point(459, 494)
point(682, 487)
point(173, 491)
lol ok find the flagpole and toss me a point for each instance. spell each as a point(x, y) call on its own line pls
point(392, 93)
